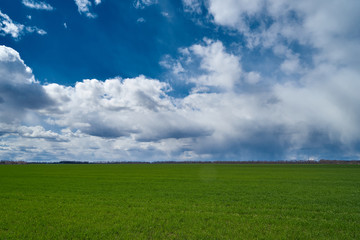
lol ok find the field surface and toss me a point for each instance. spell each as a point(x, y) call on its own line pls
point(169, 201)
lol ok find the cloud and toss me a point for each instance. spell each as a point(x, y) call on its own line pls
point(193, 6)
point(16, 30)
point(171, 125)
point(37, 5)
point(84, 7)
point(141, 4)
point(18, 89)
point(165, 14)
point(6, 129)
point(223, 70)
point(141, 20)
point(218, 69)
point(40, 133)
point(253, 77)
point(97, 2)
point(121, 107)
point(305, 94)
point(290, 119)
point(7, 26)
point(327, 26)
point(36, 29)
point(232, 12)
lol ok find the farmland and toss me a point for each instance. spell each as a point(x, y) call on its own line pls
point(179, 201)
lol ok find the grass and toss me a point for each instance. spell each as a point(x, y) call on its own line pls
point(168, 201)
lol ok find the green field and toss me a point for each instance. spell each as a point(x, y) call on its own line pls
point(170, 201)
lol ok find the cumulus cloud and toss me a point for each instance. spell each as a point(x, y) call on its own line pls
point(98, 113)
point(217, 68)
point(138, 108)
point(223, 70)
point(16, 30)
point(37, 5)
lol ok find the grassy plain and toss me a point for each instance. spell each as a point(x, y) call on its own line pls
point(168, 201)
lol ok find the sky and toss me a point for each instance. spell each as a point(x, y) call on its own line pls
point(180, 80)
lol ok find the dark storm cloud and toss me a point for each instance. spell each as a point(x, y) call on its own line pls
point(176, 132)
point(30, 96)
point(18, 89)
point(104, 131)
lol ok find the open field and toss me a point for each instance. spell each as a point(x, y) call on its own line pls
point(169, 201)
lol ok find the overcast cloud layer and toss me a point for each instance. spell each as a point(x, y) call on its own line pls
point(305, 106)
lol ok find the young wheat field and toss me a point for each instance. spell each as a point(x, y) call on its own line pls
point(179, 201)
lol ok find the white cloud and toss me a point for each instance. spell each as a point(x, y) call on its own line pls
point(97, 2)
point(7, 26)
point(193, 6)
point(37, 5)
point(223, 70)
point(8, 54)
point(36, 29)
point(232, 12)
point(84, 7)
point(253, 77)
point(141, 4)
point(290, 66)
point(174, 66)
point(141, 20)
point(165, 14)
point(16, 30)
point(40, 133)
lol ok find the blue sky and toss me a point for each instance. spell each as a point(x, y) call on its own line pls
point(150, 80)
point(110, 44)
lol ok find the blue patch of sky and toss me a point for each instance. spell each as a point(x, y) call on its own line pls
point(112, 44)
